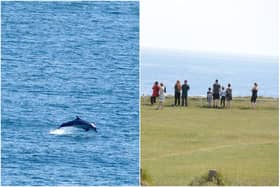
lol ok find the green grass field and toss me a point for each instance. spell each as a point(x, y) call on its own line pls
point(179, 144)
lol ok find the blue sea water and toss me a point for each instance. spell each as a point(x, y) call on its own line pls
point(202, 69)
point(59, 60)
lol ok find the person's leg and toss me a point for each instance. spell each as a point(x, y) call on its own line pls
point(158, 105)
point(186, 100)
point(183, 100)
point(175, 103)
point(178, 98)
point(217, 101)
point(253, 102)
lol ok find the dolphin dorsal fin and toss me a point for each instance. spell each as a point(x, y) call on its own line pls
point(77, 117)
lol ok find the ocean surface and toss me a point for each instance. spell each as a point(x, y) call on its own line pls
point(61, 60)
point(202, 69)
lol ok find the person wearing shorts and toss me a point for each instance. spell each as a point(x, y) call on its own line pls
point(216, 94)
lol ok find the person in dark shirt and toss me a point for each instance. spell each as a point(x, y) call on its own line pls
point(185, 90)
point(155, 93)
point(254, 95)
point(177, 89)
point(216, 94)
point(228, 95)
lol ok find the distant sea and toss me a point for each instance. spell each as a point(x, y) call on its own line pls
point(61, 60)
point(202, 69)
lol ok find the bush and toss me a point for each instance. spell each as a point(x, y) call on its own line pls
point(203, 180)
point(146, 179)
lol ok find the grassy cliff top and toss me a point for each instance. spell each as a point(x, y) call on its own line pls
point(180, 144)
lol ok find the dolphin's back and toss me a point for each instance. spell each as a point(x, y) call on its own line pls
point(79, 123)
point(67, 124)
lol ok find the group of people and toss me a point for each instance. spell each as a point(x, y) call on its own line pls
point(185, 89)
point(158, 91)
point(218, 94)
point(225, 96)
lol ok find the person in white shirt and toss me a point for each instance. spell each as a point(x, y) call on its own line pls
point(161, 96)
point(223, 97)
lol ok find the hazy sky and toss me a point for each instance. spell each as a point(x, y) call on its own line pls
point(226, 26)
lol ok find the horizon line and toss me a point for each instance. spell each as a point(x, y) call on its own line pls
point(184, 51)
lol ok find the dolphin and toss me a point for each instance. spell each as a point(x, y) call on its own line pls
point(79, 123)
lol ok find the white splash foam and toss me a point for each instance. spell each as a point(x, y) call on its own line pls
point(61, 131)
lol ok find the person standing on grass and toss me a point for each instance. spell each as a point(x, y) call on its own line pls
point(185, 90)
point(254, 95)
point(216, 93)
point(228, 95)
point(155, 94)
point(209, 97)
point(161, 96)
point(223, 97)
point(177, 89)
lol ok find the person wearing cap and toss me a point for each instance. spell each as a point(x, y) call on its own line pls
point(185, 90)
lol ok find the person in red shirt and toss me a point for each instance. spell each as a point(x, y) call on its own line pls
point(155, 92)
